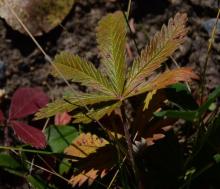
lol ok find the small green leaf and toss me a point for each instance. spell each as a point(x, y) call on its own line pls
point(8, 161)
point(217, 158)
point(212, 107)
point(64, 166)
point(60, 137)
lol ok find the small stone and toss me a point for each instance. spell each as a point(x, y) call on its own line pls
point(209, 25)
point(2, 93)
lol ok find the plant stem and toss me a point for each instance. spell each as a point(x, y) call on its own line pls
point(126, 16)
point(129, 9)
point(210, 44)
point(129, 143)
point(127, 137)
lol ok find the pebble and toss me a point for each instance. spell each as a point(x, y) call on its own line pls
point(2, 93)
point(209, 24)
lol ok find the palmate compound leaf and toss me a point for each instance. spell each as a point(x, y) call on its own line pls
point(161, 46)
point(111, 37)
point(165, 79)
point(77, 69)
point(97, 158)
point(71, 102)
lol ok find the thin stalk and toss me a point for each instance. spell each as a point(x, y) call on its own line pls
point(48, 171)
point(126, 16)
point(116, 173)
point(129, 9)
point(37, 152)
point(129, 143)
point(210, 44)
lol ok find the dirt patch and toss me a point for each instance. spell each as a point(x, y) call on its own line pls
point(24, 64)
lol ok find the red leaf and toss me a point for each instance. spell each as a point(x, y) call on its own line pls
point(2, 118)
point(29, 135)
point(26, 101)
point(62, 118)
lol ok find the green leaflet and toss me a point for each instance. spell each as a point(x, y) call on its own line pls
point(74, 68)
point(60, 137)
point(111, 37)
point(96, 114)
point(71, 102)
point(53, 108)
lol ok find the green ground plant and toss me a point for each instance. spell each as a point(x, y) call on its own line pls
point(118, 82)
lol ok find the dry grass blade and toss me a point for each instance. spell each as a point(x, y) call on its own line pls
point(163, 44)
point(111, 37)
point(79, 70)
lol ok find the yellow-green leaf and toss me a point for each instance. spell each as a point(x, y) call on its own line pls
point(71, 102)
point(111, 37)
point(95, 114)
point(77, 69)
point(149, 98)
point(53, 108)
